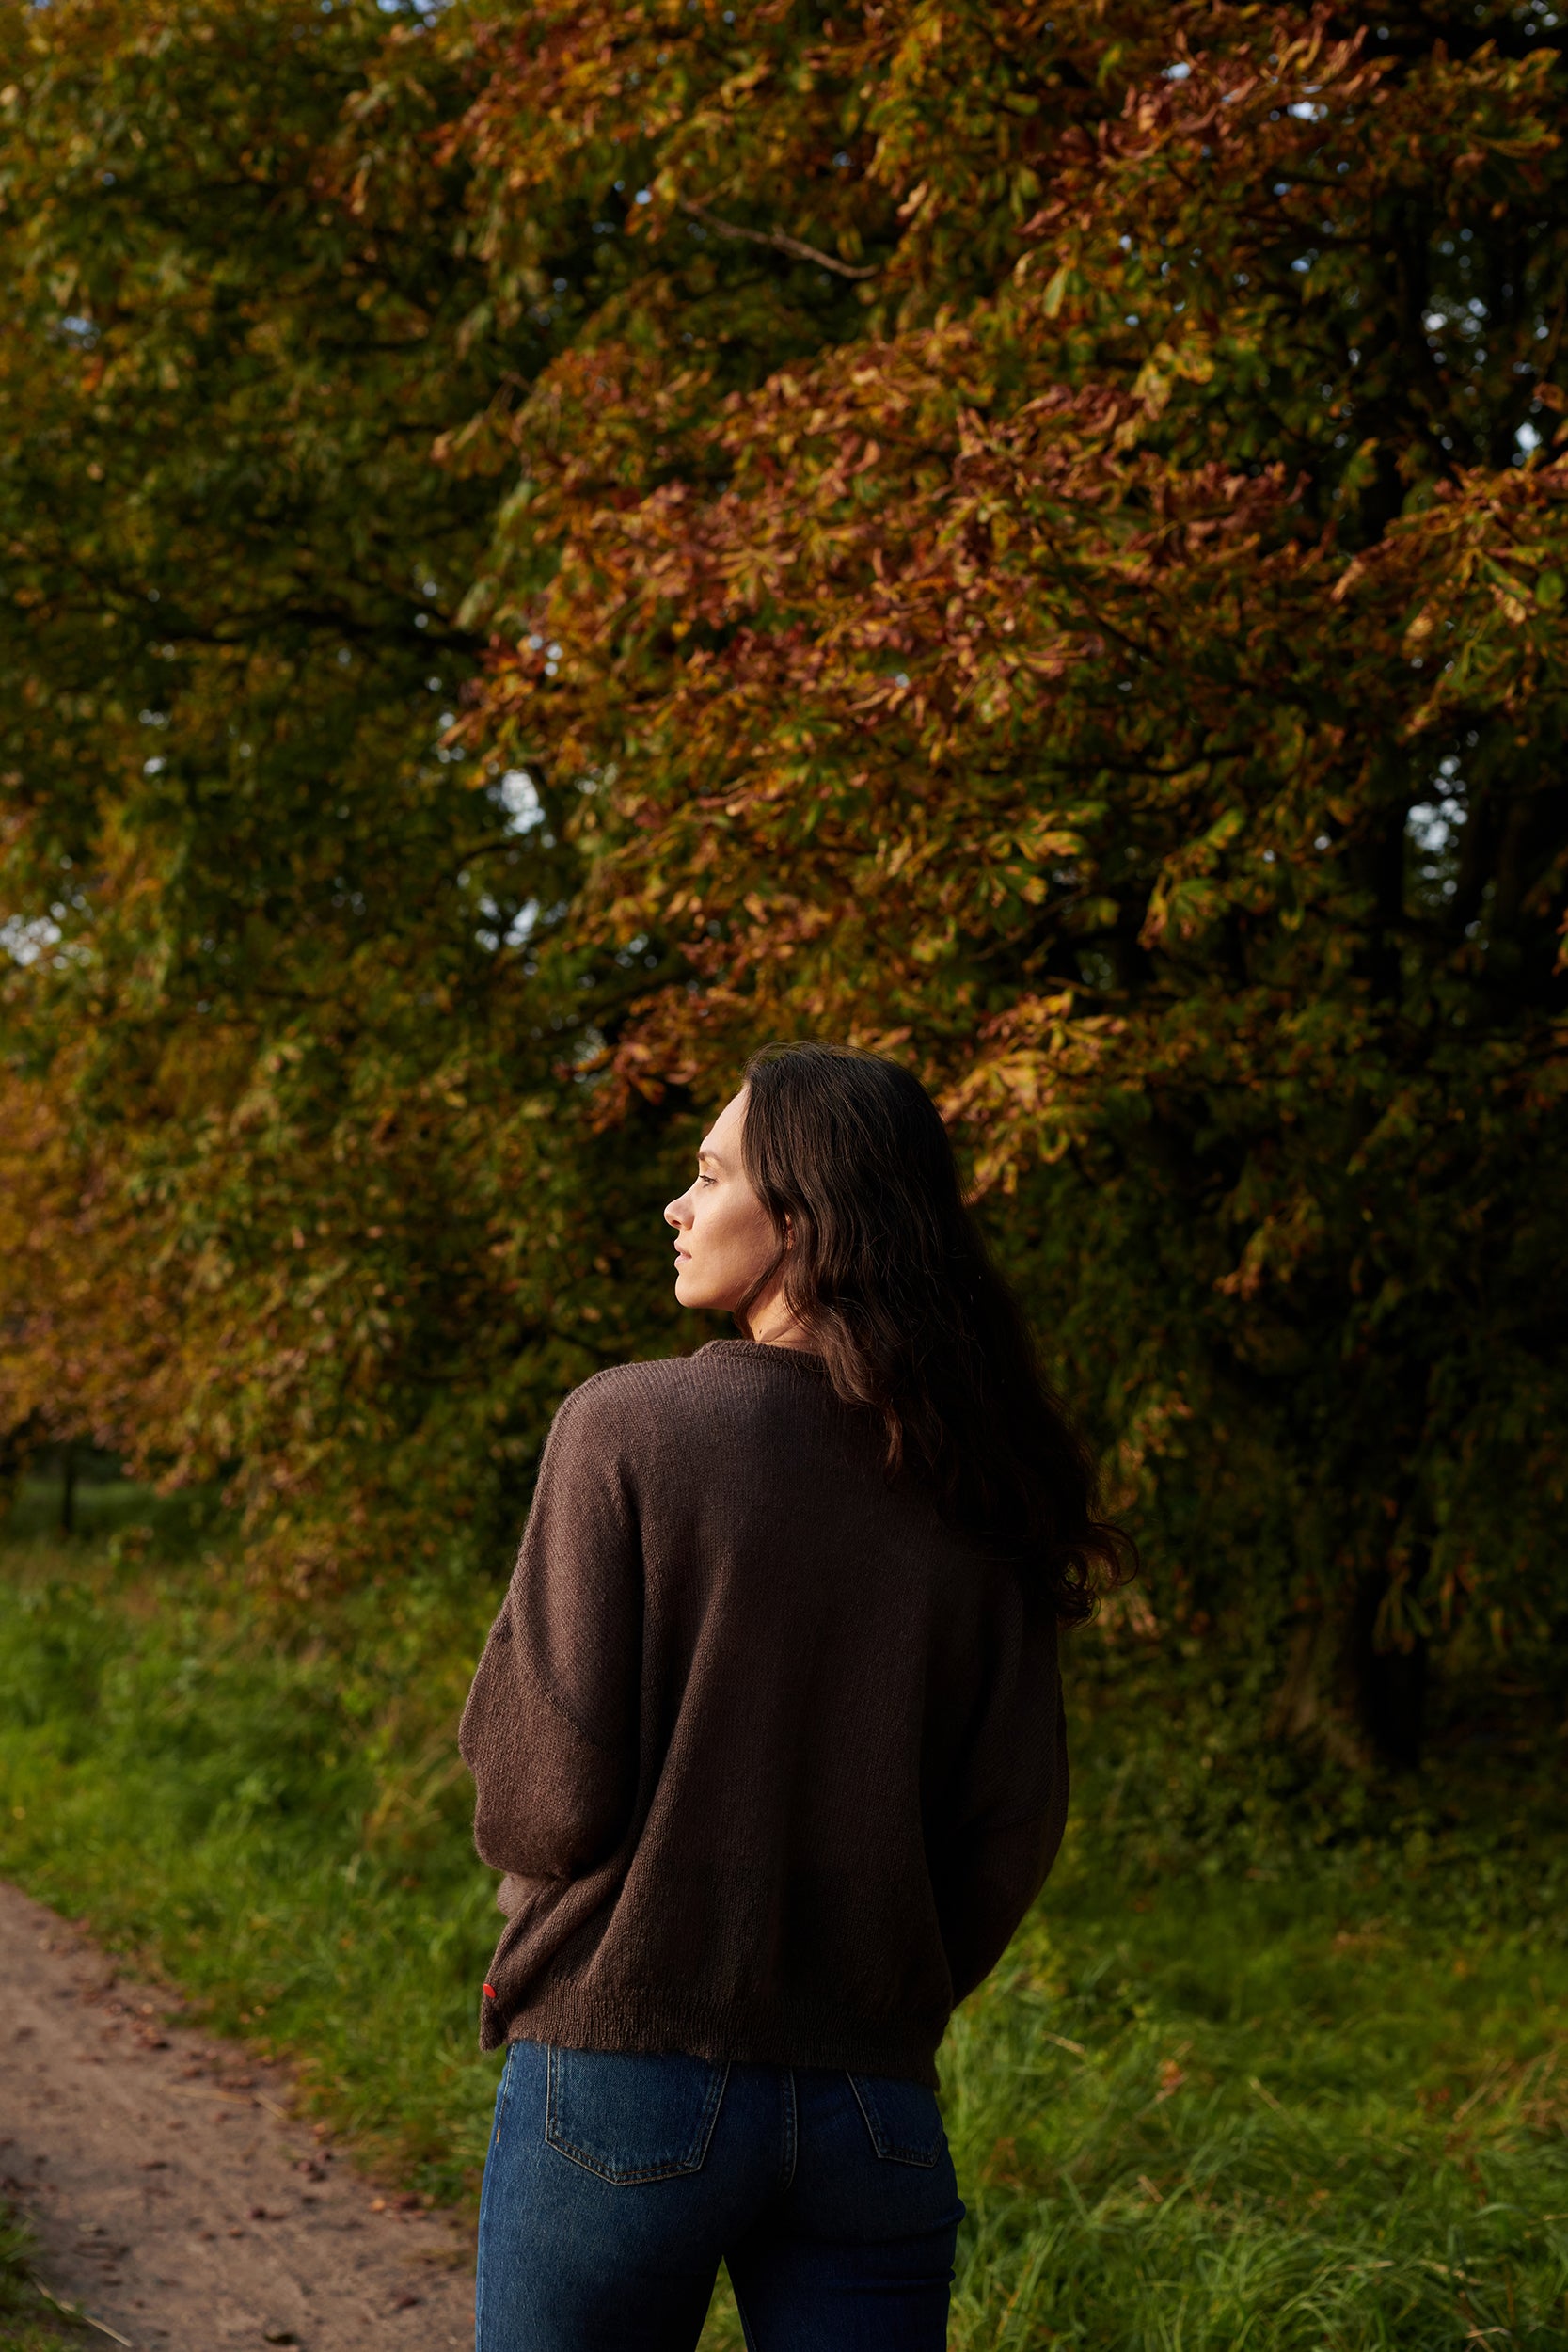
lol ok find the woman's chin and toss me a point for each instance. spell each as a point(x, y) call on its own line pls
point(691, 1291)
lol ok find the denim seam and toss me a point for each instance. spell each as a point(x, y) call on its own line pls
point(792, 2128)
point(672, 2169)
point(504, 2094)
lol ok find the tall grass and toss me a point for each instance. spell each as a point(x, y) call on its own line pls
point(1303, 2096)
point(29, 2323)
point(1250, 2125)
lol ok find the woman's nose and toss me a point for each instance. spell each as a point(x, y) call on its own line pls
point(677, 1213)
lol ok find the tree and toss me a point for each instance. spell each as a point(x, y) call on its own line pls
point(289, 1156)
point(544, 548)
point(1126, 678)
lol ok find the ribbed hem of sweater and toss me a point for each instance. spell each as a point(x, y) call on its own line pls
point(577, 2018)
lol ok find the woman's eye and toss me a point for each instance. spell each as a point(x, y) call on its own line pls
point(706, 1179)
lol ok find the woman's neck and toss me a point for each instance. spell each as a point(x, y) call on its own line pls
point(771, 1324)
point(789, 1334)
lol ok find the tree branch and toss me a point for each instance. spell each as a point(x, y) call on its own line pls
point(780, 242)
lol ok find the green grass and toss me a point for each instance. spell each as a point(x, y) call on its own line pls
point(1245, 2124)
point(27, 2321)
point(277, 1821)
point(1301, 2090)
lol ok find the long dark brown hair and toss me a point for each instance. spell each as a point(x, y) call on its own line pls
point(888, 1271)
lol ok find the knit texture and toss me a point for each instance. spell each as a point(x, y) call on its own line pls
point(771, 1757)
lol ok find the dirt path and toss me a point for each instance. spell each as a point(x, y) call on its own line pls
point(173, 2198)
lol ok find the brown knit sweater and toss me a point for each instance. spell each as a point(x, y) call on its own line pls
point(773, 1757)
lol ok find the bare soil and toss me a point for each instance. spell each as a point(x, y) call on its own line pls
point(175, 2199)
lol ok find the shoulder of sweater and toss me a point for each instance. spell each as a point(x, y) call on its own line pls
point(629, 1405)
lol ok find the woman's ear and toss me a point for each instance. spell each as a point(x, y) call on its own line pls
point(790, 1231)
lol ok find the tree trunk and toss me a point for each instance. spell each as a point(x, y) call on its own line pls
point(1390, 1681)
point(1309, 1706)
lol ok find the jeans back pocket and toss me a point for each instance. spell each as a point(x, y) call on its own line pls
point(628, 2117)
point(903, 2118)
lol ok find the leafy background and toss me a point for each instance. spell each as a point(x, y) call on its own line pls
point(541, 547)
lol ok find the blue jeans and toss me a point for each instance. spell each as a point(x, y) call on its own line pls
point(615, 2184)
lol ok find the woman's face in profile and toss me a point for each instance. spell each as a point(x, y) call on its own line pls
point(725, 1238)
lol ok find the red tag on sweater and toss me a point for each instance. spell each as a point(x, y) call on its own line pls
point(490, 1991)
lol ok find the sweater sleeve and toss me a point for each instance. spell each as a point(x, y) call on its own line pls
point(550, 1728)
point(1005, 1827)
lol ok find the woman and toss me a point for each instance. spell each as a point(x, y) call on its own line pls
point(768, 1741)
